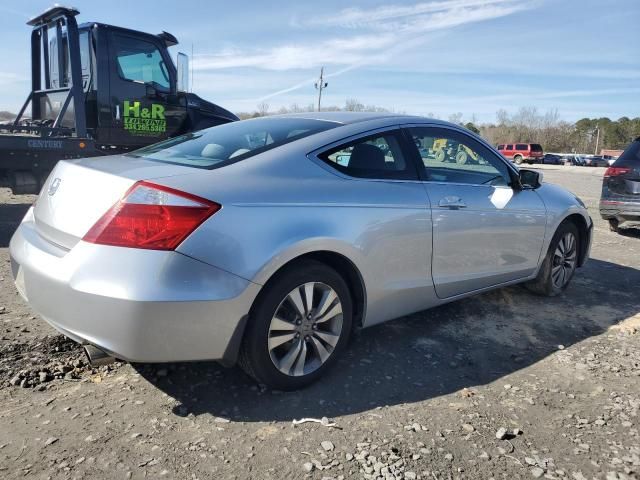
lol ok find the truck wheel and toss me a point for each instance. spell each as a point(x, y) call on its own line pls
point(24, 183)
point(440, 156)
point(298, 327)
point(613, 225)
point(518, 159)
point(461, 158)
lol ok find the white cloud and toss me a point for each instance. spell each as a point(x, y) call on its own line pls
point(382, 33)
point(382, 16)
point(387, 28)
point(418, 16)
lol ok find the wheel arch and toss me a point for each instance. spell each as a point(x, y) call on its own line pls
point(345, 267)
point(583, 232)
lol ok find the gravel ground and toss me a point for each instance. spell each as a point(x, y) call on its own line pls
point(503, 385)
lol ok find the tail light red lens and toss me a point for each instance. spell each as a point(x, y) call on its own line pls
point(151, 216)
point(615, 171)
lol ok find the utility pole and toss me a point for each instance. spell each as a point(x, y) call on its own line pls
point(320, 85)
point(597, 139)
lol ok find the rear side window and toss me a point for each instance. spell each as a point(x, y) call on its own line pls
point(509, 147)
point(536, 147)
point(232, 142)
point(378, 156)
point(630, 157)
point(521, 147)
point(500, 147)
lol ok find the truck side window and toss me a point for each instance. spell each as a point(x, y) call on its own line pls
point(140, 61)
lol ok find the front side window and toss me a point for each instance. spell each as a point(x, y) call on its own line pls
point(225, 144)
point(453, 157)
point(378, 156)
point(140, 61)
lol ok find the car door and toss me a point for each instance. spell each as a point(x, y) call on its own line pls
point(508, 151)
point(386, 204)
point(145, 106)
point(485, 233)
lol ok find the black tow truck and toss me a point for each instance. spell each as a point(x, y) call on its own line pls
point(97, 89)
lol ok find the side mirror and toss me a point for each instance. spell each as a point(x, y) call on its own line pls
point(530, 178)
point(183, 72)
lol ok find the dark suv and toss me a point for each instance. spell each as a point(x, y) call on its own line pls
point(620, 200)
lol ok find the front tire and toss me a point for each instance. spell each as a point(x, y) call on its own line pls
point(298, 327)
point(559, 264)
point(517, 159)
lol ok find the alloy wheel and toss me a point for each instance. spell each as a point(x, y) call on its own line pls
point(564, 260)
point(305, 329)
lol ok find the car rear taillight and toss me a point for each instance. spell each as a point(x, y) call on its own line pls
point(151, 216)
point(615, 171)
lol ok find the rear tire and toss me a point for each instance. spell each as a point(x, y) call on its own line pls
point(298, 327)
point(614, 224)
point(559, 264)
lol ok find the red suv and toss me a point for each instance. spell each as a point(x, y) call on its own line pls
point(522, 152)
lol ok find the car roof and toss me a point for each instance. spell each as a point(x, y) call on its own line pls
point(347, 118)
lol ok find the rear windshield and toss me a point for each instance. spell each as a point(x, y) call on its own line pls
point(536, 147)
point(630, 157)
point(232, 142)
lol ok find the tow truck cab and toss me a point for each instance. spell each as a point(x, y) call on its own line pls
point(98, 89)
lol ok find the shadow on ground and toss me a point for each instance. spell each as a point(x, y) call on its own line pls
point(11, 214)
point(424, 355)
point(630, 232)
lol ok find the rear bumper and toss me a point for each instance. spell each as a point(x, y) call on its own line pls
point(138, 305)
point(620, 210)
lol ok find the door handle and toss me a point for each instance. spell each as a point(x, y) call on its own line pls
point(452, 202)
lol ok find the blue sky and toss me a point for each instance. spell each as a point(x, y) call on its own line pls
point(581, 57)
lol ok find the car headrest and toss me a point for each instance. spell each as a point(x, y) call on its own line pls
point(367, 156)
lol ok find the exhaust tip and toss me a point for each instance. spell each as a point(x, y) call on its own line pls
point(97, 357)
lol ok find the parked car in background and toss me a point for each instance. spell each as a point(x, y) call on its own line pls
point(575, 160)
point(213, 246)
point(595, 161)
point(610, 159)
point(551, 159)
point(522, 152)
point(620, 198)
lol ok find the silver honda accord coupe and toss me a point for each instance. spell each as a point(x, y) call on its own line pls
point(267, 241)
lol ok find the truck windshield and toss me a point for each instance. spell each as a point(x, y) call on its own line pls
point(232, 142)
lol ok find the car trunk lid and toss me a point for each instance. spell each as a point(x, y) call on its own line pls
point(79, 192)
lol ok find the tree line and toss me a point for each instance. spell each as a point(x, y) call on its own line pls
point(527, 125)
point(555, 135)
